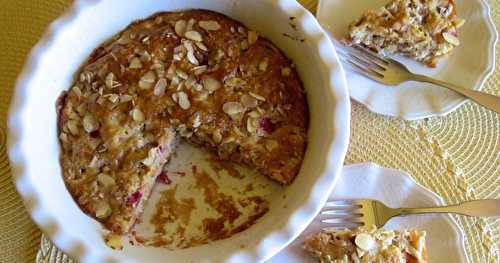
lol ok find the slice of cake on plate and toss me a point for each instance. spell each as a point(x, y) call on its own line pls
point(422, 30)
point(368, 245)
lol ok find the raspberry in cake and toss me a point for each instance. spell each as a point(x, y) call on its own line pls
point(196, 75)
point(368, 244)
point(424, 30)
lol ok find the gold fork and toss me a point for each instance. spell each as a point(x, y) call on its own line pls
point(353, 213)
point(391, 72)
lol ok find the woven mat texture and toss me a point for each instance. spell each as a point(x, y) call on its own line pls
point(456, 156)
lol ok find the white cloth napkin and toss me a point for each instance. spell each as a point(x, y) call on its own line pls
point(395, 189)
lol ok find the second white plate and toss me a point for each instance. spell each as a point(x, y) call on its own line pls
point(396, 189)
point(468, 66)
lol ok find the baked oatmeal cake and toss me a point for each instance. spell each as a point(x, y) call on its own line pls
point(197, 75)
point(368, 245)
point(424, 30)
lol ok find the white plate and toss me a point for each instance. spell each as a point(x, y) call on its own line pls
point(396, 189)
point(468, 66)
point(34, 148)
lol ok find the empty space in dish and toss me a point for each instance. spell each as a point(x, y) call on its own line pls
point(198, 199)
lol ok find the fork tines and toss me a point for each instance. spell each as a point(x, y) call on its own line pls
point(341, 214)
point(363, 61)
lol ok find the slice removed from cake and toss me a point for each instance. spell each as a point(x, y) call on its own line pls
point(424, 30)
point(368, 244)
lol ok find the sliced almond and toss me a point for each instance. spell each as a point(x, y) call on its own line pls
point(76, 89)
point(109, 80)
point(159, 89)
point(365, 241)
point(192, 58)
point(232, 108)
point(105, 180)
point(211, 84)
point(252, 37)
point(125, 98)
point(257, 96)
point(147, 80)
point(183, 100)
point(72, 127)
point(193, 35)
point(249, 101)
point(200, 69)
point(135, 63)
point(137, 115)
point(102, 209)
point(180, 27)
point(90, 123)
point(201, 46)
point(196, 120)
point(181, 74)
point(251, 128)
point(450, 38)
point(235, 82)
point(209, 25)
point(113, 98)
point(82, 109)
point(217, 136)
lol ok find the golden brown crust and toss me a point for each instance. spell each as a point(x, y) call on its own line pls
point(422, 30)
point(198, 74)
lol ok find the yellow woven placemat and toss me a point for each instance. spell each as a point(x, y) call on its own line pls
point(457, 156)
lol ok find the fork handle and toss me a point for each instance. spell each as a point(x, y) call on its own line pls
point(481, 208)
point(487, 100)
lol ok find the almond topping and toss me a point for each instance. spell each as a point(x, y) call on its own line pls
point(183, 100)
point(365, 241)
point(180, 27)
point(201, 46)
point(194, 35)
point(160, 87)
point(90, 123)
point(211, 84)
point(192, 58)
point(217, 136)
point(137, 115)
point(181, 74)
point(135, 63)
point(109, 81)
point(251, 125)
point(72, 126)
point(257, 96)
point(102, 209)
point(249, 101)
point(209, 25)
point(105, 180)
point(232, 108)
point(450, 38)
point(77, 91)
point(147, 80)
